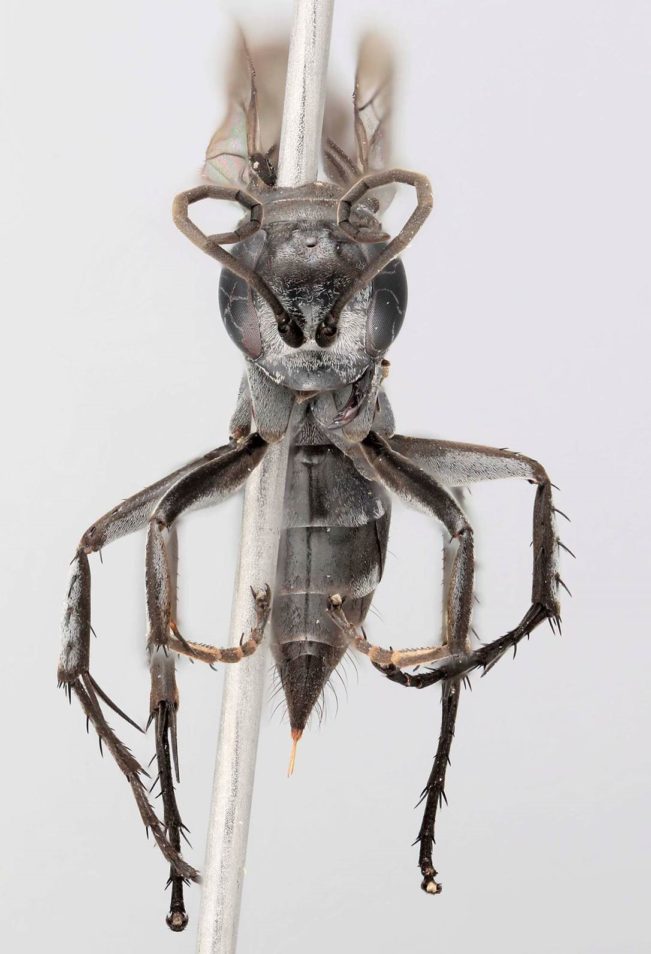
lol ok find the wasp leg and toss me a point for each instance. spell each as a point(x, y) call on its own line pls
point(208, 484)
point(463, 663)
point(228, 654)
point(452, 671)
point(433, 793)
point(453, 465)
point(132, 514)
point(133, 772)
point(164, 703)
point(420, 490)
point(400, 658)
point(423, 492)
point(163, 709)
point(74, 675)
point(74, 662)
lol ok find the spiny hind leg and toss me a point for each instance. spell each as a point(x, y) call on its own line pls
point(421, 490)
point(463, 663)
point(74, 674)
point(163, 709)
point(434, 792)
point(164, 703)
point(232, 465)
point(74, 661)
point(454, 464)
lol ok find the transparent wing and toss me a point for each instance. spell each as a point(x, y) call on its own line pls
point(370, 151)
point(243, 149)
point(372, 103)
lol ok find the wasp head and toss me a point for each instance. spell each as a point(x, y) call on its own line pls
point(313, 269)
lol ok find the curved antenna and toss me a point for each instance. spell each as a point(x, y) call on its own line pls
point(327, 330)
point(288, 329)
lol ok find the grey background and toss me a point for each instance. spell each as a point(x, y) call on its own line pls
point(527, 327)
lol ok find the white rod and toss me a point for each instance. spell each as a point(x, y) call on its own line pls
point(228, 826)
point(305, 90)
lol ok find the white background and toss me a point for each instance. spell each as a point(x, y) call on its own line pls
point(527, 327)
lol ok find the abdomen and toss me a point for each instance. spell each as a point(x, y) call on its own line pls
point(334, 538)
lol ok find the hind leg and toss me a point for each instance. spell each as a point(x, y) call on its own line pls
point(452, 465)
point(74, 662)
point(458, 465)
point(434, 792)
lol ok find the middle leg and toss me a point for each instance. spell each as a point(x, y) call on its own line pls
point(434, 791)
point(208, 484)
point(422, 492)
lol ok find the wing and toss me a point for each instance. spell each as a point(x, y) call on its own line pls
point(372, 102)
point(243, 150)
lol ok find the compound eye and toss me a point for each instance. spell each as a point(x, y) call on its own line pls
point(387, 308)
point(239, 314)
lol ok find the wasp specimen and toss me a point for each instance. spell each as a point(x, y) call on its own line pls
point(313, 293)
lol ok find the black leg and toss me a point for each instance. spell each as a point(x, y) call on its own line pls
point(460, 664)
point(422, 491)
point(74, 662)
point(208, 484)
point(434, 791)
point(454, 465)
point(74, 675)
point(163, 711)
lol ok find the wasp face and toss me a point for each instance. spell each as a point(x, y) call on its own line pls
point(309, 265)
